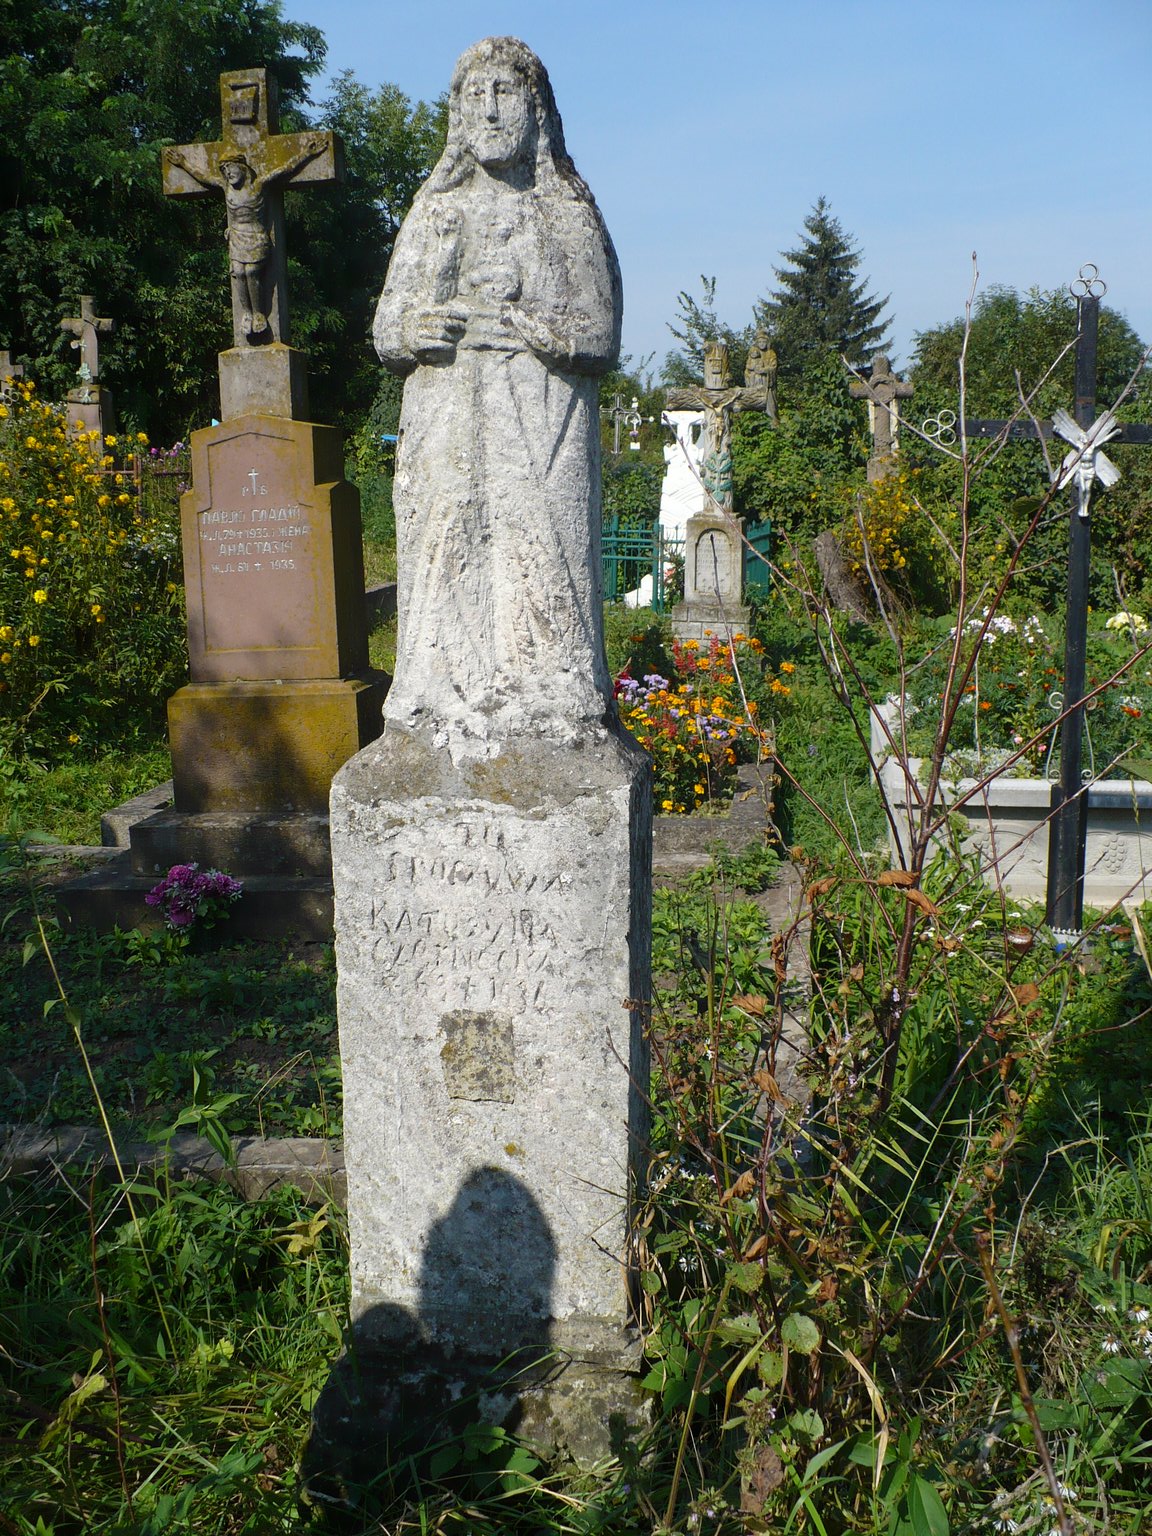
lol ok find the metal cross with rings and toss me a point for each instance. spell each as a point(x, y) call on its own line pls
point(941, 428)
point(1089, 285)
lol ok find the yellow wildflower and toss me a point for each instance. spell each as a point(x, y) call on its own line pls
point(39, 596)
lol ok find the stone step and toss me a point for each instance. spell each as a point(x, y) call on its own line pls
point(272, 906)
point(309, 1163)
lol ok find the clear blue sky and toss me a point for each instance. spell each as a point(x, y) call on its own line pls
point(1018, 129)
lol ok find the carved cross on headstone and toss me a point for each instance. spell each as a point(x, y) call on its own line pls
point(718, 398)
point(251, 164)
point(8, 371)
point(86, 328)
point(882, 389)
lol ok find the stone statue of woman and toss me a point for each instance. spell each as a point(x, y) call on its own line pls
point(501, 308)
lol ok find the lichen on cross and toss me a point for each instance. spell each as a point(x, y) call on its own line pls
point(251, 164)
point(718, 398)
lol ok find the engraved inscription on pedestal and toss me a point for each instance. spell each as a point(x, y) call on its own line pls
point(257, 563)
point(272, 560)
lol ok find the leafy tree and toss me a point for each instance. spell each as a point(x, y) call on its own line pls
point(698, 323)
point(821, 305)
point(1013, 342)
point(339, 247)
point(90, 91)
point(1025, 343)
point(801, 473)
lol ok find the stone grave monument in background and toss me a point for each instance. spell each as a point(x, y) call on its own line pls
point(491, 851)
point(714, 537)
point(89, 404)
point(883, 392)
point(280, 691)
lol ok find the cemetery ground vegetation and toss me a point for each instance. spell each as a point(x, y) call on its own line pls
point(234, 1034)
point(826, 1267)
point(895, 1274)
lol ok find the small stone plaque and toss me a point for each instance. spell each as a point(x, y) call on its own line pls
point(478, 1056)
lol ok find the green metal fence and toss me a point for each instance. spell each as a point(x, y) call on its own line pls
point(632, 552)
point(757, 572)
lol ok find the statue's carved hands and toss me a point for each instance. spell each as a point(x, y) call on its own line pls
point(437, 330)
point(533, 331)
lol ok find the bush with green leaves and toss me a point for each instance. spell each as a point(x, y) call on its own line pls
point(92, 638)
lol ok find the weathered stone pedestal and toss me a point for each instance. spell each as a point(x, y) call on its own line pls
point(493, 934)
point(713, 578)
point(89, 409)
point(281, 693)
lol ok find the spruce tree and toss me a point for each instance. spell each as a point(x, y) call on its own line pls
point(820, 304)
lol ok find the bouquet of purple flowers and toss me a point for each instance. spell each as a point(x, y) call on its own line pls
point(188, 894)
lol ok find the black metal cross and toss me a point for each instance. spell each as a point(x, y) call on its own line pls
point(1068, 825)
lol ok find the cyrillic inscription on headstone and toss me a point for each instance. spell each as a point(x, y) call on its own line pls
point(258, 572)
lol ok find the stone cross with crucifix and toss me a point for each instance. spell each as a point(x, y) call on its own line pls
point(89, 404)
point(86, 329)
point(719, 398)
point(882, 390)
point(251, 164)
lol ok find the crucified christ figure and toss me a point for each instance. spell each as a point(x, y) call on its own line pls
point(249, 221)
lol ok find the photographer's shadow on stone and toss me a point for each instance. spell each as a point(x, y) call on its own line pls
point(409, 1382)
